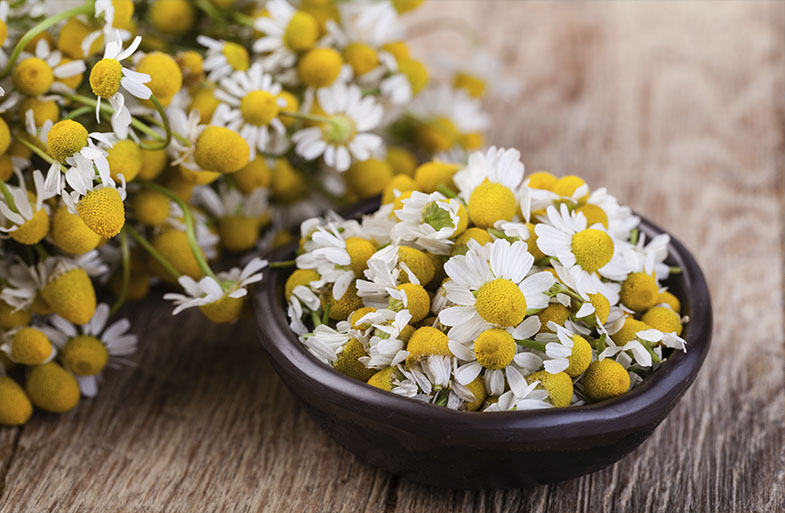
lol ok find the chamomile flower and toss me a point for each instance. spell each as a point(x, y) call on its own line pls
point(28, 346)
point(220, 302)
point(489, 183)
point(346, 136)
point(63, 70)
point(386, 344)
point(490, 288)
point(529, 398)
point(430, 220)
point(26, 220)
point(478, 72)
point(251, 106)
point(331, 258)
point(109, 75)
point(587, 252)
point(239, 216)
point(87, 349)
point(36, 74)
point(100, 205)
point(223, 58)
point(325, 343)
point(567, 351)
point(286, 32)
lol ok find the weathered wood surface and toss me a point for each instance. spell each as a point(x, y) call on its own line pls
point(678, 108)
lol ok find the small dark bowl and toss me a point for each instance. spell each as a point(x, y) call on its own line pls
point(442, 447)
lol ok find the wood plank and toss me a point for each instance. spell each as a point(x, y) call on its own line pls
point(678, 109)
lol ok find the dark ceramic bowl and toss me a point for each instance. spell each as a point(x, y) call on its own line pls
point(442, 447)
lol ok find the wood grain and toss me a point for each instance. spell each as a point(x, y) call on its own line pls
point(676, 107)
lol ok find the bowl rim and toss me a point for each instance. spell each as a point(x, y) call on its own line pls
point(645, 405)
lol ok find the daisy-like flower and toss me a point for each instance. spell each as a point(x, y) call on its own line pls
point(584, 251)
point(251, 108)
point(478, 73)
point(100, 205)
point(385, 348)
point(36, 74)
point(346, 134)
point(430, 220)
point(24, 220)
point(649, 258)
point(566, 350)
point(218, 303)
point(104, 9)
point(287, 31)
point(620, 219)
point(490, 288)
point(206, 239)
point(529, 398)
point(87, 349)
point(326, 343)
point(27, 345)
point(108, 75)
point(445, 116)
point(489, 183)
point(223, 58)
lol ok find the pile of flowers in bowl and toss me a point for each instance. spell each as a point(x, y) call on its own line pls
point(142, 141)
point(477, 287)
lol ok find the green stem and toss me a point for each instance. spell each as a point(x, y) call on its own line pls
point(326, 315)
point(154, 252)
point(654, 357)
point(315, 318)
point(183, 140)
point(531, 344)
point(86, 8)
point(125, 256)
point(106, 108)
point(281, 264)
point(447, 192)
point(168, 137)
point(78, 112)
point(308, 117)
point(574, 295)
point(212, 12)
point(190, 230)
point(42, 254)
point(243, 19)
point(9, 198)
point(675, 270)
point(634, 236)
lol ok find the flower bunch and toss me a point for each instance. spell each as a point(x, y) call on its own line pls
point(477, 287)
point(141, 141)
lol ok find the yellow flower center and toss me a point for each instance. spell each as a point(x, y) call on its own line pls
point(43, 110)
point(360, 250)
point(3, 32)
point(369, 177)
point(102, 211)
point(477, 387)
point(602, 307)
point(604, 380)
point(291, 104)
point(473, 84)
point(592, 249)
point(191, 66)
point(558, 386)
point(670, 300)
point(125, 158)
point(52, 388)
point(397, 49)
point(172, 16)
point(431, 175)
point(567, 185)
point(287, 184)
point(501, 302)
point(664, 319)
point(66, 138)
point(320, 67)
point(173, 246)
point(349, 363)
point(628, 330)
point(472, 140)
point(259, 108)
point(639, 292)
point(399, 182)
point(555, 312)
point(226, 309)
point(426, 341)
point(439, 134)
point(33, 76)
point(580, 358)
point(205, 103)
point(253, 175)
point(71, 295)
point(382, 379)
point(416, 73)
point(11, 317)
point(15, 407)
point(85, 355)
point(474, 233)
point(165, 75)
point(491, 202)
point(494, 349)
point(418, 302)
point(236, 56)
point(33, 230)
point(301, 32)
point(30, 347)
point(359, 314)
point(403, 161)
point(361, 57)
point(221, 150)
point(105, 77)
point(72, 33)
point(542, 180)
point(71, 234)
point(403, 6)
point(418, 262)
point(150, 207)
point(299, 277)
point(5, 142)
point(238, 233)
point(594, 215)
point(342, 308)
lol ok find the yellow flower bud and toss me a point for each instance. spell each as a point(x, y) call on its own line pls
point(52, 388)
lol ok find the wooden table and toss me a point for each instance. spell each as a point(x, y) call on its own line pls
point(678, 109)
